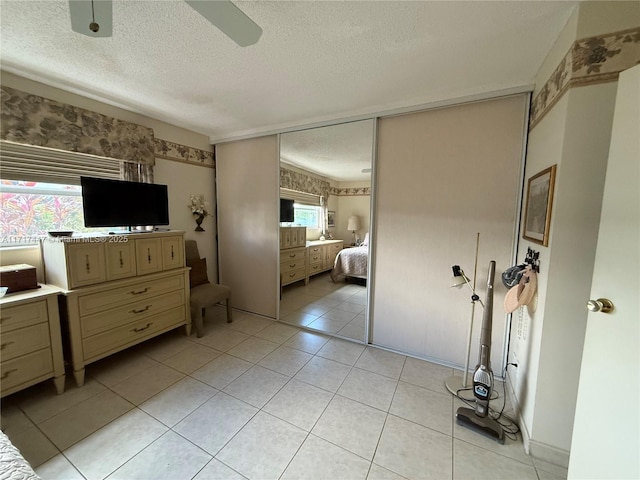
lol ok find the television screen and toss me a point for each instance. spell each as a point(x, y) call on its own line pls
point(116, 203)
point(286, 210)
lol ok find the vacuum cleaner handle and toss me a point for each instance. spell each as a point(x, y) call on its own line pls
point(487, 320)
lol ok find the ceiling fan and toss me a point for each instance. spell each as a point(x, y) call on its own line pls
point(94, 19)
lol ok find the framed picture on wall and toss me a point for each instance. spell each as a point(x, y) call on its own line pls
point(331, 219)
point(537, 217)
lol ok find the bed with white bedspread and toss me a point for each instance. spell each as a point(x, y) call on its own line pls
point(13, 466)
point(351, 262)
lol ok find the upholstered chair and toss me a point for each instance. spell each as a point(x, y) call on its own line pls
point(204, 294)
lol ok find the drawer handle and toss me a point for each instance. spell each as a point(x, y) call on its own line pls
point(5, 345)
point(172, 254)
point(291, 275)
point(141, 310)
point(133, 292)
point(291, 265)
point(293, 255)
point(121, 260)
point(7, 373)
point(138, 330)
point(149, 255)
point(88, 265)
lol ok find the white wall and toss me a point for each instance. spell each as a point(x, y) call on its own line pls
point(575, 135)
point(544, 148)
point(558, 324)
point(183, 180)
point(348, 205)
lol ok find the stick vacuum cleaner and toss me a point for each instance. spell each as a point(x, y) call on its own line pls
point(478, 419)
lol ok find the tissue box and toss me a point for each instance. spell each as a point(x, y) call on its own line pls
point(18, 277)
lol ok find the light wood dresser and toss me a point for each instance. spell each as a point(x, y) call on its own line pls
point(299, 259)
point(119, 290)
point(293, 255)
point(322, 255)
point(31, 345)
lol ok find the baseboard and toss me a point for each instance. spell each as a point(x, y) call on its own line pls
point(537, 450)
point(549, 454)
point(526, 438)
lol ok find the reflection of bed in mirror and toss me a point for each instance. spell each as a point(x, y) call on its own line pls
point(352, 262)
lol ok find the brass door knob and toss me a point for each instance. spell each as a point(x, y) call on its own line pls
point(603, 305)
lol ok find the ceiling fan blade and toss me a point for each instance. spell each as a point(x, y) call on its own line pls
point(84, 12)
point(229, 19)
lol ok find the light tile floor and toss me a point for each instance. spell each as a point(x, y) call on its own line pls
point(261, 400)
point(335, 308)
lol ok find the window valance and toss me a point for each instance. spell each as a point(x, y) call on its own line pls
point(300, 182)
point(33, 120)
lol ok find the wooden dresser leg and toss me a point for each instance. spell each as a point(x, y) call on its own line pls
point(59, 383)
point(79, 376)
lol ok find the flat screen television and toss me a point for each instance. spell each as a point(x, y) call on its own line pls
point(116, 203)
point(286, 210)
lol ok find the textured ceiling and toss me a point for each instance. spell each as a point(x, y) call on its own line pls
point(315, 61)
point(340, 152)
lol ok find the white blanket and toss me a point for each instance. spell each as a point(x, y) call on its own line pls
point(351, 262)
point(13, 466)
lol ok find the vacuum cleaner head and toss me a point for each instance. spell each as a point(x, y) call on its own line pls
point(484, 425)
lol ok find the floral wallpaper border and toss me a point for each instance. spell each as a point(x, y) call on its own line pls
point(182, 153)
point(351, 192)
point(589, 61)
point(302, 182)
point(35, 120)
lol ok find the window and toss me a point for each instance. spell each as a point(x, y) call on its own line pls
point(31, 209)
point(307, 216)
point(40, 190)
point(307, 209)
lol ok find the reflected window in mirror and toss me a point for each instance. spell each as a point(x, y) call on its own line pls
point(309, 216)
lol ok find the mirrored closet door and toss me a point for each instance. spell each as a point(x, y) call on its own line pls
point(325, 205)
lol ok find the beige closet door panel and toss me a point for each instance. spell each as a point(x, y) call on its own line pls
point(442, 176)
point(247, 178)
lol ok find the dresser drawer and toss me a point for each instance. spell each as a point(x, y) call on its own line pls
point(148, 255)
point(315, 257)
point(286, 267)
point(131, 333)
point(293, 254)
point(25, 368)
point(121, 260)
point(293, 276)
point(96, 302)
point(172, 252)
point(125, 314)
point(86, 264)
point(317, 250)
point(24, 340)
point(315, 268)
point(23, 315)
